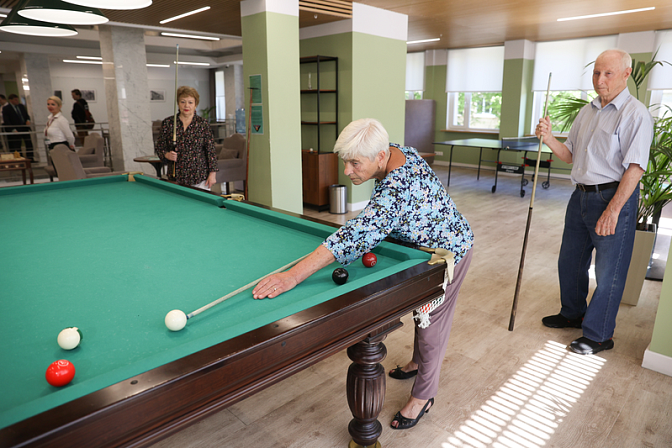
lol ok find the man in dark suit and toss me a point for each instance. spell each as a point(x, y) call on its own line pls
point(16, 119)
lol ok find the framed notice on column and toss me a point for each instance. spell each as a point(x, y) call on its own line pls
point(256, 107)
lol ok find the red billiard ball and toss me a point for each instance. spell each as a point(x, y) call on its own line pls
point(369, 260)
point(60, 373)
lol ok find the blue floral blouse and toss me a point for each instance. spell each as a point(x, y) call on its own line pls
point(409, 204)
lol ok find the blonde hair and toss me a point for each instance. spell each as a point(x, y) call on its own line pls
point(56, 100)
point(365, 137)
point(186, 91)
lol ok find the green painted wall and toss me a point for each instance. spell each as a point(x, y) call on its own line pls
point(368, 88)
point(661, 340)
point(378, 89)
point(270, 48)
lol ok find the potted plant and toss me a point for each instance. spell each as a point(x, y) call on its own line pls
point(655, 193)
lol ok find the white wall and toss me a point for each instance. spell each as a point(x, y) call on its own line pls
point(66, 77)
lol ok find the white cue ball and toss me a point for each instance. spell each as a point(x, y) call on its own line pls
point(176, 320)
point(69, 338)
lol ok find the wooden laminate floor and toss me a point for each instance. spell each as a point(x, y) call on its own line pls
point(498, 388)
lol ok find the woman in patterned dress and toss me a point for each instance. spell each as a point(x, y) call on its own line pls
point(410, 204)
point(194, 154)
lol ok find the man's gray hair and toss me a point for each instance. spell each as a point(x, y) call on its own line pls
point(626, 60)
point(365, 137)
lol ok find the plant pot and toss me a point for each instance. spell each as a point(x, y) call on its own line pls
point(639, 263)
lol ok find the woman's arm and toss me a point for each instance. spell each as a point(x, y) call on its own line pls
point(64, 126)
point(276, 284)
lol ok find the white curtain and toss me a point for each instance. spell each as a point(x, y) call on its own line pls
point(568, 61)
point(661, 77)
point(415, 71)
point(475, 70)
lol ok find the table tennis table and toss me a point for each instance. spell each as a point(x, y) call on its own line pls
point(518, 144)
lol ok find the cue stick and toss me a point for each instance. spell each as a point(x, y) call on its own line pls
point(242, 288)
point(514, 307)
point(177, 60)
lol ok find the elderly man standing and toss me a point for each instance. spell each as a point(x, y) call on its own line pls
point(608, 146)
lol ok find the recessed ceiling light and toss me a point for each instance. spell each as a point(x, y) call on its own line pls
point(591, 16)
point(423, 40)
point(189, 36)
point(196, 11)
point(79, 61)
point(204, 64)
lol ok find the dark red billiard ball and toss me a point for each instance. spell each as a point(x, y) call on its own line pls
point(339, 276)
point(60, 373)
point(369, 260)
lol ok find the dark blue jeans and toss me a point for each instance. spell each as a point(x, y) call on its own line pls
point(612, 259)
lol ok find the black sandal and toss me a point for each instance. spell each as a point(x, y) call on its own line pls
point(405, 423)
point(399, 374)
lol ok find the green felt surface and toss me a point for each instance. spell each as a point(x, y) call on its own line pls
point(112, 257)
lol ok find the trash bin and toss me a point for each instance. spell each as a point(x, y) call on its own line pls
point(337, 199)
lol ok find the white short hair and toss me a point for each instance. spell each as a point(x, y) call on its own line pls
point(362, 138)
point(626, 60)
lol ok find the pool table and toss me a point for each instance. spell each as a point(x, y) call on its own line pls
point(113, 255)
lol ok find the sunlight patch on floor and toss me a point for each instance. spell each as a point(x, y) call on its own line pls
point(527, 410)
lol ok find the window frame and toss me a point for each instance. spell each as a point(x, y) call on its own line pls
point(452, 110)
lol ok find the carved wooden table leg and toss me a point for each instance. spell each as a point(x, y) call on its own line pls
point(366, 387)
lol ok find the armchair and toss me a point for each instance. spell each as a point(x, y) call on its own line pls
point(91, 155)
point(232, 160)
point(69, 166)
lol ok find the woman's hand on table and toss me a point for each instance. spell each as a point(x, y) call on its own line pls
point(211, 180)
point(274, 285)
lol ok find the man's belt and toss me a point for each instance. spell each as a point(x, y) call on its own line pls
point(600, 187)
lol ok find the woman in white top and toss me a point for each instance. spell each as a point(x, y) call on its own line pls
point(58, 129)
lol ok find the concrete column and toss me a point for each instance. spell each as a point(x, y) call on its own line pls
point(271, 50)
point(35, 68)
point(371, 52)
point(127, 93)
point(234, 88)
point(517, 93)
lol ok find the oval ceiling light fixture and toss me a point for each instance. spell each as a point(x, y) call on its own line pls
point(58, 11)
point(112, 4)
point(20, 25)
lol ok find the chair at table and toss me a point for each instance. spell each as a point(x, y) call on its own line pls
point(232, 161)
point(91, 154)
point(69, 166)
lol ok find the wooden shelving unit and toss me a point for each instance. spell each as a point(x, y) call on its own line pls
point(320, 166)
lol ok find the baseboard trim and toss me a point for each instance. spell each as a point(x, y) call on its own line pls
point(657, 362)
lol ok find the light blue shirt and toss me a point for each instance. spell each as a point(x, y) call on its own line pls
point(604, 141)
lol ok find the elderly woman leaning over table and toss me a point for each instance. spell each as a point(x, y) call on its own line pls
point(410, 204)
point(194, 155)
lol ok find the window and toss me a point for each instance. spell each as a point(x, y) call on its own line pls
point(414, 94)
point(220, 102)
point(554, 99)
point(474, 84)
point(661, 103)
point(474, 110)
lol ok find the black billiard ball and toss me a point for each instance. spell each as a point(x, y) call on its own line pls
point(339, 276)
